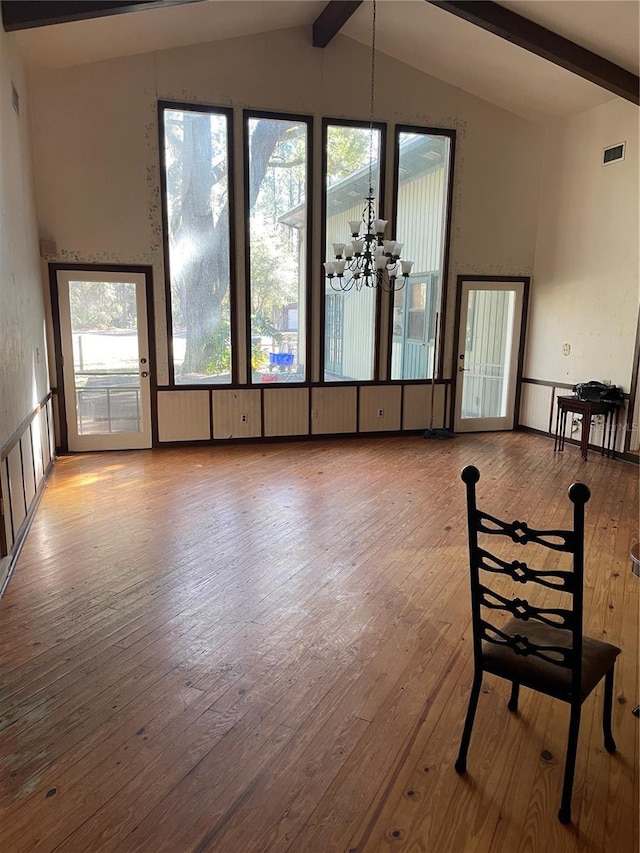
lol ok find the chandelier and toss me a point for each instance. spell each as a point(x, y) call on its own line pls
point(368, 260)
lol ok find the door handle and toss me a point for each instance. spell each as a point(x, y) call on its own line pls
point(464, 369)
point(144, 373)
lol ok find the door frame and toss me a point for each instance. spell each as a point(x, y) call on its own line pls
point(460, 280)
point(139, 269)
point(633, 393)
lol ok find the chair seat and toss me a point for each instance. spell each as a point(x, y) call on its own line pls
point(531, 671)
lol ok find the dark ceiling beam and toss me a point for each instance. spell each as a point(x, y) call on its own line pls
point(331, 20)
point(549, 45)
point(26, 14)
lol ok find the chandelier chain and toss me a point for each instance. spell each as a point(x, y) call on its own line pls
point(372, 95)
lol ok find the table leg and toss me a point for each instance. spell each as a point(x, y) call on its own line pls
point(584, 438)
point(614, 426)
point(556, 443)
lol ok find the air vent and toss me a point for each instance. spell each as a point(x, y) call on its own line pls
point(15, 98)
point(613, 153)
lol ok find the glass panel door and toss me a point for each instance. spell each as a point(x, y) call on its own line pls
point(488, 350)
point(103, 330)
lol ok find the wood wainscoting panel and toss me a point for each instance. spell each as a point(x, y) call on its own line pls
point(376, 399)
point(237, 413)
point(16, 487)
point(183, 416)
point(334, 410)
point(40, 444)
point(49, 429)
point(54, 422)
point(28, 469)
point(286, 411)
point(416, 407)
point(6, 538)
point(536, 403)
point(25, 461)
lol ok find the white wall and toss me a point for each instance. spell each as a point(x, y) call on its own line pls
point(95, 140)
point(585, 290)
point(23, 367)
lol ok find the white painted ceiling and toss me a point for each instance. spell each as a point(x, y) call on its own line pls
point(412, 31)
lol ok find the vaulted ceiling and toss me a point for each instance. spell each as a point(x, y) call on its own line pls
point(482, 47)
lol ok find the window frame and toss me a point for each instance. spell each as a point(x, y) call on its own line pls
point(441, 307)
point(248, 114)
point(382, 127)
point(228, 113)
point(315, 326)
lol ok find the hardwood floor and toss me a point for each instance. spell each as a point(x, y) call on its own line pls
point(267, 648)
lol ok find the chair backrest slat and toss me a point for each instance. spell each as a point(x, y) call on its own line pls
point(520, 532)
point(523, 573)
point(520, 644)
point(557, 617)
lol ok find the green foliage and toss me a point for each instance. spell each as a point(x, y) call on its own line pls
point(259, 358)
point(218, 350)
point(261, 325)
point(348, 151)
point(102, 305)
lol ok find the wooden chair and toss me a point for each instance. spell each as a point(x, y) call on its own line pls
point(539, 647)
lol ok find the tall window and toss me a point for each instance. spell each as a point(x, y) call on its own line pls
point(422, 201)
point(350, 318)
point(277, 188)
point(196, 163)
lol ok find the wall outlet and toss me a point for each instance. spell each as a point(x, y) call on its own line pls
point(380, 413)
point(244, 418)
point(566, 349)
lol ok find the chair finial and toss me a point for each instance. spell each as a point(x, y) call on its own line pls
point(470, 474)
point(579, 493)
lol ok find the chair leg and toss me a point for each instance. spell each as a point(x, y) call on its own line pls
point(564, 815)
point(609, 742)
point(513, 701)
point(461, 762)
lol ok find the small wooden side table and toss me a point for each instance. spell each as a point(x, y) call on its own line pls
point(586, 408)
